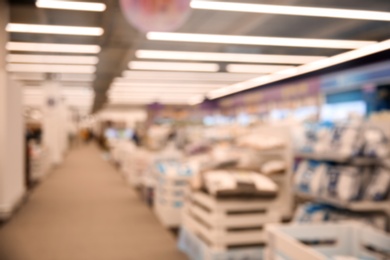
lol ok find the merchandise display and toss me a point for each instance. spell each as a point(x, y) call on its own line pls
point(196, 249)
point(40, 161)
point(223, 191)
point(157, 136)
point(318, 213)
point(352, 182)
point(342, 241)
point(171, 185)
point(232, 200)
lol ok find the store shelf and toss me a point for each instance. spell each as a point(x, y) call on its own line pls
point(359, 161)
point(359, 206)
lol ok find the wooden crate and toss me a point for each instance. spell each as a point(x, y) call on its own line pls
point(196, 249)
point(225, 223)
point(328, 240)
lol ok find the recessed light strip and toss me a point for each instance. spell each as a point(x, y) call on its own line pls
point(292, 10)
point(226, 57)
point(173, 66)
point(220, 76)
point(20, 67)
point(244, 68)
point(52, 59)
point(147, 102)
point(303, 69)
point(255, 40)
point(160, 91)
point(53, 29)
point(169, 85)
point(71, 5)
point(52, 47)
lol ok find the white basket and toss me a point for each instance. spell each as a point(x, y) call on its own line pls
point(224, 223)
point(40, 165)
point(329, 240)
point(196, 249)
point(169, 198)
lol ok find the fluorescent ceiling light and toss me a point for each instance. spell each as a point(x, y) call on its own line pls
point(147, 102)
point(71, 5)
point(168, 85)
point(52, 59)
point(220, 76)
point(174, 66)
point(52, 47)
point(243, 68)
point(53, 29)
point(151, 95)
point(303, 69)
point(19, 67)
point(151, 98)
point(292, 10)
point(199, 81)
point(255, 40)
point(155, 90)
point(229, 57)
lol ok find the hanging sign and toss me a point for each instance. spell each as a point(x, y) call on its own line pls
point(156, 15)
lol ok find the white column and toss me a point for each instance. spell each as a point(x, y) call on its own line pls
point(12, 176)
point(54, 120)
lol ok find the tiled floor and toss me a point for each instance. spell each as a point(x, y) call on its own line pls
point(85, 211)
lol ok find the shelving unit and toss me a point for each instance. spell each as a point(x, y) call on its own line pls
point(357, 161)
point(355, 206)
point(214, 228)
point(358, 206)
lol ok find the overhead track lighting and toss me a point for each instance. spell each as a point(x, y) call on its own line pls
point(71, 5)
point(173, 66)
point(52, 59)
point(227, 57)
point(52, 47)
point(303, 69)
point(53, 29)
point(19, 67)
point(292, 10)
point(257, 40)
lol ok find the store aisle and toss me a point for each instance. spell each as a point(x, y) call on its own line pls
point(85, 211)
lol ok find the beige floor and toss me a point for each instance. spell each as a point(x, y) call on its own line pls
point(85, 211)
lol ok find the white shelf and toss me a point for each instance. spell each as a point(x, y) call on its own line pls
point(359, 206)
point(361, 161)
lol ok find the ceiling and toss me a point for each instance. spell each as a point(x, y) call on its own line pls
point(120, 41)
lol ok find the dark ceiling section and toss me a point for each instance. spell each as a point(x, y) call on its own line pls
point(118, 39)
point(21, 2)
